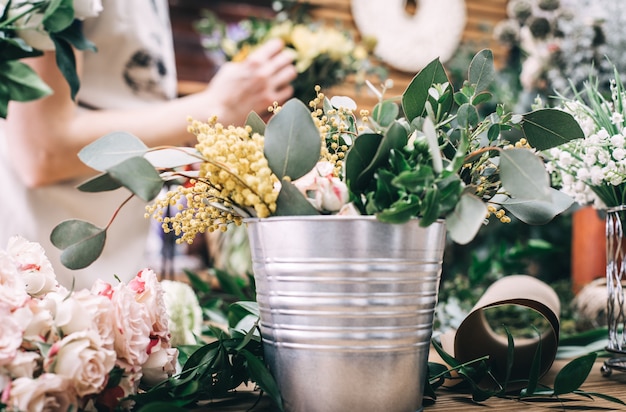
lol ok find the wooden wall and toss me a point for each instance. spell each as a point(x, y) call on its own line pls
point(194, 67)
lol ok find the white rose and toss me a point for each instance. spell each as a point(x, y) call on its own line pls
point(332, 193)
point(12, 287)
point(161, 364)
point(322, 189)
point(184, 312)
point(132, 327)
point(24, 364)
point(33, 265)
point(80, 357)
point(148, 292)
point(69, 314)
point(100, 311)
point(10, 338)
point(47, 392)
point(37, 322)
point(87, 8)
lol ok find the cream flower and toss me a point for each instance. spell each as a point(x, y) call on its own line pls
point(12, 287)
point(33, 265)
point(49, 392)
point(132, 327)
point(24, 364)
point(81, 359)
point(10, 338)
point(161, 364)
point(184, 312)
point(149, 293)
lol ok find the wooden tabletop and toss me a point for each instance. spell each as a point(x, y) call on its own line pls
point(447, 400)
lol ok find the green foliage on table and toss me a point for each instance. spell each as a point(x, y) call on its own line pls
point(213, 371)
point(478, 380)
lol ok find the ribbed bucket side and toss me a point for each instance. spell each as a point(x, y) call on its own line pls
point(347, 308)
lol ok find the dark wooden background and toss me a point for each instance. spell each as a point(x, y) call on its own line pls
point(195, 68)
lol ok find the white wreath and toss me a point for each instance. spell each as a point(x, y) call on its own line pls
point(409, 42)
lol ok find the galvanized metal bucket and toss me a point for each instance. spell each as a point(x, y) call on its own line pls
point(347, 309)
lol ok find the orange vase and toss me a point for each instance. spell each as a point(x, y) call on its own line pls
point(588, 247)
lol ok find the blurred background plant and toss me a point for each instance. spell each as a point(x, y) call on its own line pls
point(325, 55)
point(557, 43)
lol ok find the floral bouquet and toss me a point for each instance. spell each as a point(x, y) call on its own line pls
point(553, 43)
point(77, 350)
point(593, 170)
point(441, 160)
point(324, 55)
point(27, 28)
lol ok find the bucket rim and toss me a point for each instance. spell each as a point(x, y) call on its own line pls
point(332, 218)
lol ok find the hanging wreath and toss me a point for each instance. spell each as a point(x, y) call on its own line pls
point(409, 41)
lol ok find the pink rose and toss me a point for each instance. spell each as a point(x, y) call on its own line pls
point(81, 359)
point(24, 364)
point(100, 311)
point(36, 321)
point(148, 291)
point(132, 327)
point(12, 286)
point(325, 191)
point(161, 364)
point(32, 265)
point(49, 392)
point(10, 337)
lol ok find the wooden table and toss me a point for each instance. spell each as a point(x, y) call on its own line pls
point(447, 400)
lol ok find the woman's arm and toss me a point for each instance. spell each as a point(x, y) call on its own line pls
point(45, 135)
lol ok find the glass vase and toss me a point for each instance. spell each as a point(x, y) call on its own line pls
point(615, 274)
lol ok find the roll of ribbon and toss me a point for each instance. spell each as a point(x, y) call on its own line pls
point(475, 338)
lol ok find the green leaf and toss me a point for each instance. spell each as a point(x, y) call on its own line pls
point(82, 242)
point(534, 372)
point(139, 176)
point(111, 149)
point(573, 374)
point(73, 34)
point(395, 138)
point(467, 218)
point(400, 211)
point(256, 123)
point(58, 15)
point(481, 71)
point(547, 128)
point(100, 183)
point(602, 396)
point(66, 62)
point(467, 116)
point(523, 175)
point(261, 375)
point(292, 141)
point(161, 406)
point(228, 283)
point(359, 157)
point(21, 82)
point(416, 94)
point(415, 180)
point(385, 112)
point(538, 212)
point(481, 98)
point(291, 202)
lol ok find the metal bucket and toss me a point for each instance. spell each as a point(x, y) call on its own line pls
point(347, 309)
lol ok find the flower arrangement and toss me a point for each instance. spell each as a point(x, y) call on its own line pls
point(440, 160)
point(557, 42)
point(77, 350)
point(323, 55)
point(592, 170)
point(29, 27)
